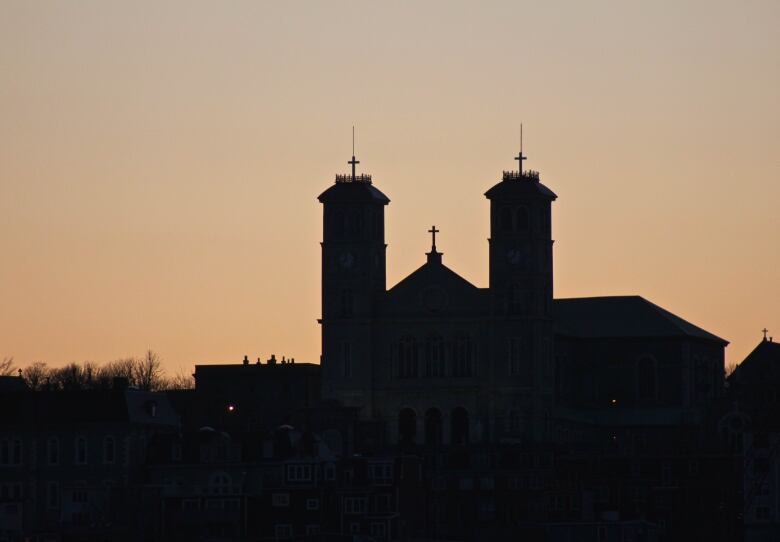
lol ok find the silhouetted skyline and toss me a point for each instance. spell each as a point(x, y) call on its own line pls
point(157, 163)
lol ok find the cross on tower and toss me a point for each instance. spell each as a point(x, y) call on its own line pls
point(765, 331)
point(520, 157)
point(433, 231)
point(353, 162)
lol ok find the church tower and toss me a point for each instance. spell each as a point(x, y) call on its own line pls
point(353, 278)
point(521, 293)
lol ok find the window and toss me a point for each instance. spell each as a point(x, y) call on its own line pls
point(521, 218)
point(433, 427)
point(330, 472)
point(378, 530)
point(382, 503)
point(381, 473)
point(460, 426)
point(354, 528)
point(312, 504)
point(16, 449)
point(5, 452)
point(646, 388)
point(763, 513)
point(53, 495)
point(407, 358)
point(283, 531)
point(109, 450)
point(407, 425)
point(280, 499)
point(346, 359)
point(81, 451)
point(312, 530)
point(53, 451)
point(298, 473)
point(434, 356)
point(514, 423)
point(354, 505)
point(79, 495)
point(462, 356)
point(220, 483)
point(506, 219)
point(347, 302)
point(516, 351)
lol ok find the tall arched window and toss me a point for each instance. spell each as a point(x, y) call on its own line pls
point(516, 354)
point(407, 357)
point(514, 422)
point(433, 427)
point(347, 302)
point(521, 218)
point(407, 425)
point(505, 219)
point(109, 449)
point(434, 356)
point(646, 379)
point(81, 451)
point(460, 426)
point(461, 359)
point(339, 224)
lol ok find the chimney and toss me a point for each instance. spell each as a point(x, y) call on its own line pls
point(246, 360)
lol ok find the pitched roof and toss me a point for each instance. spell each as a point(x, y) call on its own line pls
point(520, 188)
point(353, 192)
point(622, 317)
point(434, 288)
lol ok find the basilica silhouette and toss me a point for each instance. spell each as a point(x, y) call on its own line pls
point(437, 359)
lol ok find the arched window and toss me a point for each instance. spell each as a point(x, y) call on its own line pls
point(514, 422)
point(518, 299)
point(407, 425)
point(434, 356)
point(109, 449)
point(220, 483)
point(461, 360)
point(516, 354)
point(347, 302)
point(521, 218)
point(340, 224)
point(646, 379)
point(460, 426)
point(433, 427)
point(407, 357)
point(355, 223)
point(346, 359)
point(505, 219)
point(81, 451)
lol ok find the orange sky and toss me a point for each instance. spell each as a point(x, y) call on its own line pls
point(160, 162)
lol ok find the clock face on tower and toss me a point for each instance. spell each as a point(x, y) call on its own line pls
point(514, 256)
point(346, 259)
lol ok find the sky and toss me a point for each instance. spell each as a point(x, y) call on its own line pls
point(160, 161)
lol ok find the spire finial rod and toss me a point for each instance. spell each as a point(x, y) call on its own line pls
point(765, 331)
point(520, 157)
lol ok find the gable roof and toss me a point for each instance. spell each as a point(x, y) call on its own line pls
point(434, 288)
point(622, 317)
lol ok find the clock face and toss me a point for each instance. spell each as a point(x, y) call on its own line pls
point(514, 256)
point(346, 259)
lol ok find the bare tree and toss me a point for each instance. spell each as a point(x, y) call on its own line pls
point(36, 375)
point(731, 367)
point(7, 367)
point(182, 380)
point(148, 373)
point(120, 368)
point(70, 377)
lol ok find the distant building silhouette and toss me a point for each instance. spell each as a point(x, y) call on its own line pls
point(439, 360)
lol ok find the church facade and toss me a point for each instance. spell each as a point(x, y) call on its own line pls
point(439, 360)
